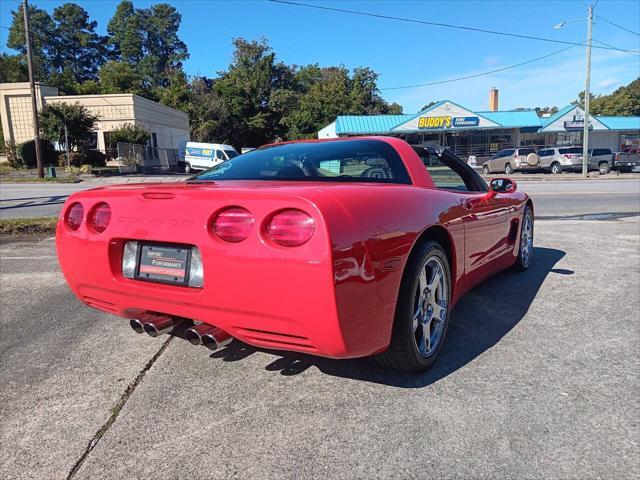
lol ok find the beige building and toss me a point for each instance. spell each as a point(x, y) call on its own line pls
point(169, 127)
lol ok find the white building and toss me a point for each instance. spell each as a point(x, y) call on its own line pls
point(169, 127)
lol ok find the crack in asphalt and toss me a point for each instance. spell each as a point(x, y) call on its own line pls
point(117, 408)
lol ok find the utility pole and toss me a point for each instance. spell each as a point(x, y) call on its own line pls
point(34, 103)
point(587, 98)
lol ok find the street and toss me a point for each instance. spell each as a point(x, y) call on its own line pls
point(553, 198)
point(538, 377)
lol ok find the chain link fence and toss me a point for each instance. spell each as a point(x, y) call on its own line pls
point(146, 159)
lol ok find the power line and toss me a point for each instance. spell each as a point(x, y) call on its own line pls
point(619, 26)
point(483, 73)
point(630, 52)
point(435, 24)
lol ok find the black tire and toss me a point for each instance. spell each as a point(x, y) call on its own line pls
point(485, 169)
point(604, 168)
point(556, 168)
point(187, 168)
point(403, 353)
point(523, 262)
point(508, 169)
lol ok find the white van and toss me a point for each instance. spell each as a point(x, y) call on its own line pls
point(201, 156)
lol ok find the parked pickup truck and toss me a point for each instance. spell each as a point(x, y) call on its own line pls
point(627, 161)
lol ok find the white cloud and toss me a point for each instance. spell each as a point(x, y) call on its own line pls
point(607, 83)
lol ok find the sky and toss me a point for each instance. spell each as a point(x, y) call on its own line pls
point(408, 54)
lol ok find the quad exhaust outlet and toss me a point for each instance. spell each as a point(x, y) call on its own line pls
point(203, 334)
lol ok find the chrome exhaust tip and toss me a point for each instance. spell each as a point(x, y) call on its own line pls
point(194, 334)
point(137, 325)
point(159, 325)
point(216, 338)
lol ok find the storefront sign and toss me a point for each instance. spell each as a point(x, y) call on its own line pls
point(446, 121)
point(576, 124)
point(434, 122)
point(466, 122)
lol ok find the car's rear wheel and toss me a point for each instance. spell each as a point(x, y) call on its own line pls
point(187, 168)
point(485, 169)
point(556, 168)
point(525, 253)
point(604, 168)
point(422, 312)
point(508, 169)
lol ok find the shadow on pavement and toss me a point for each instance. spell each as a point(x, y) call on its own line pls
point(33, 201)
point(479, 321)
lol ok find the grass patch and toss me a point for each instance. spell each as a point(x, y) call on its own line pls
point(28, 226)
point(6, 168)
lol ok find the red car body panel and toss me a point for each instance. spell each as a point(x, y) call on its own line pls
point(333, 296)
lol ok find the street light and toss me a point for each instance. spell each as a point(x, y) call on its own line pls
point(587, 88)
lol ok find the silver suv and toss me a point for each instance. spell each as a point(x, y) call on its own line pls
point(559, 159)
point(511, 160)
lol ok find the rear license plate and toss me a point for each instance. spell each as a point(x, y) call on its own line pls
point(163, 263)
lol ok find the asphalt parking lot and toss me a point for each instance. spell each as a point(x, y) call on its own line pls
point(538, 379)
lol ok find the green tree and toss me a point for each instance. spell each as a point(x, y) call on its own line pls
point(79, 122)
point(77, 47)
point(546, 110)
point(42, 39)
point(12, 69)
point(121, 77)
point(126, 34)
point(625, 101)
point(148, 40)
point(429, 105)
point(128, 134)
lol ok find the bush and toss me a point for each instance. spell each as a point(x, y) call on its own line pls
point(28, 153)
point(93, 158)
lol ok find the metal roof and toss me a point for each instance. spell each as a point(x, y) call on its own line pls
point(361, 124)
point(377, 124)
point(620, 123)
point(526, 118)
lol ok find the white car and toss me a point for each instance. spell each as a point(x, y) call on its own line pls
point(202, 156)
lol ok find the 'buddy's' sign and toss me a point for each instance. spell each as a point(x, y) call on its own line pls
point(446, 121)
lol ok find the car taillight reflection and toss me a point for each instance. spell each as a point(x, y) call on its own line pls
point(290, 228)
point(233, 224)
point(100, 217)
point(73, 217)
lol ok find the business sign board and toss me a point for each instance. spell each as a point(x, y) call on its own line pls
point(572, 121)
point(576, 124)
point(446, 121)
point(445, 116)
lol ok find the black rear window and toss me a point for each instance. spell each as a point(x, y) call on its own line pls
point(525, 151)
point(546, 153)
point(333, 161)
point(577, 150)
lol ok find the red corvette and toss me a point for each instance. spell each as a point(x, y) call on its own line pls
point(340, 248)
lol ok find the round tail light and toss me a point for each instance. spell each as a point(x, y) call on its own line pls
point(100, 217)
point(73, 217)
point(290, 228)
point(233, 224)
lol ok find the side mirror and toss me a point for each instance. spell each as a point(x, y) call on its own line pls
point(503, 185)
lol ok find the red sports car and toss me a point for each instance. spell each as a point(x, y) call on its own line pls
point(340, 248)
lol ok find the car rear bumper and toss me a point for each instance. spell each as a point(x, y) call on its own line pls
point(271, 297)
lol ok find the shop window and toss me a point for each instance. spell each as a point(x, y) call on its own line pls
point(629, 142)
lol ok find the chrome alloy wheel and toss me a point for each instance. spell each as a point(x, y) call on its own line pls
point(526, 238)
point(430, 306)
